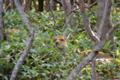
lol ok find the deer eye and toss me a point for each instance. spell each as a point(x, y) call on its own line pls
point(61, 39)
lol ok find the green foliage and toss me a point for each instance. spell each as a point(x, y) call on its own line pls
point(45, 61)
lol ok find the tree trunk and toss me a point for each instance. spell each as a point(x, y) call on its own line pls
point(107, 26)
point(9, 4)
point(27, 4)
point(52, 5)
point(35, 5)
point(1, 21)
point(12, 4)
point(46, 5)
point(40, 5)
point(66, 4)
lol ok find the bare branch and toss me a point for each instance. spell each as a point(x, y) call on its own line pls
point(110, 32)
point(28, 41)
point(93, 4)
point(86, 22)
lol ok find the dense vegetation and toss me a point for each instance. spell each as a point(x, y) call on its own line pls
point(45, 61)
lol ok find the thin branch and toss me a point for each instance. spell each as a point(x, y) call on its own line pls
point(28, 41)
point(112, 29)
point(94, 3)
point(86, 22)
point(110, 32)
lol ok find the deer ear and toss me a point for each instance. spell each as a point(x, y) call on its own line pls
point(64, 36)
point(68, 36)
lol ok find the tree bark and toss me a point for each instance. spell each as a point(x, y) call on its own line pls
point(52, 5)
point(40, 5)
point(27, 4)
point(66, 5)
point(47, 5)
point(12, 4)
point(107, 26)
point(9, 4)
point(1, 21)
